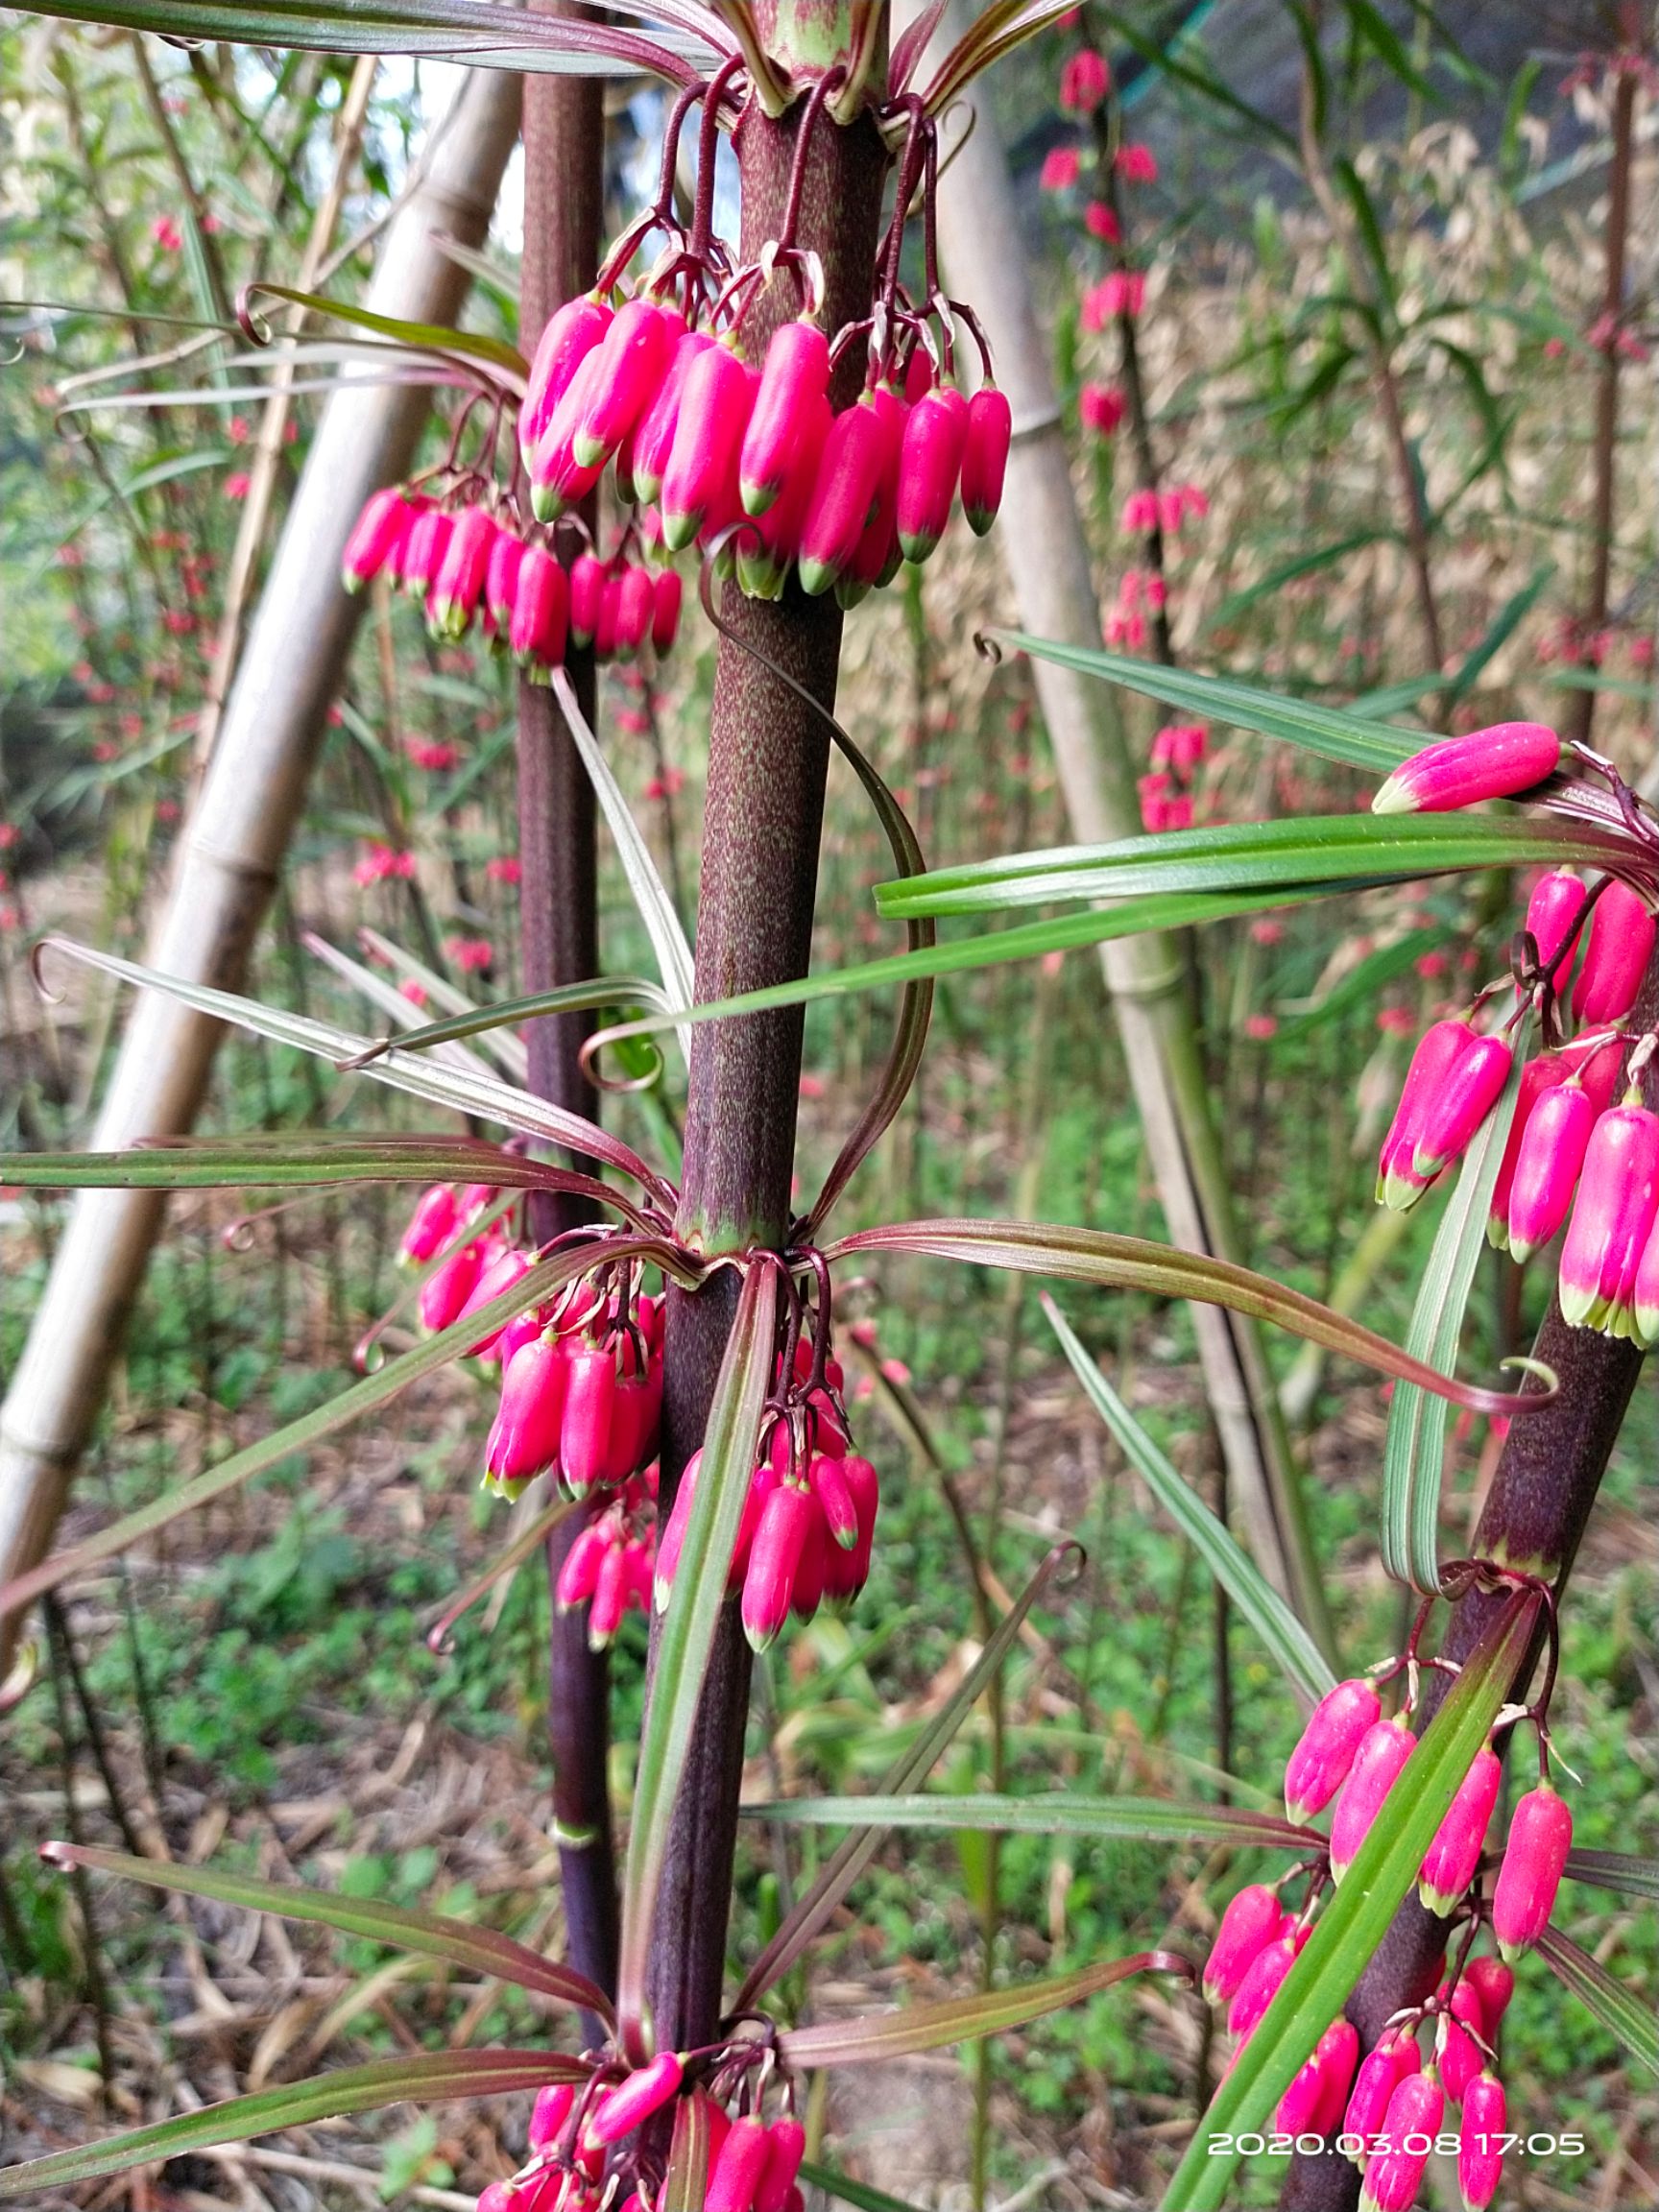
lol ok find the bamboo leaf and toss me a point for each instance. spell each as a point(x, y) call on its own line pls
point(911, 1766)
point(1349, 738)
point(1240, 602)
point(849, 2192)
point(209, 1164)
point(1414, 1447)
point(1624, 2015)
point(474, 1950)
point(424, 337)
point(650, 893)
point(1353, 1922)
point(1288, 1641)
point(428, 2074)
point(688, 1634)
point(1060, 1813)
point(879, 2037)
point(1134, 1263)
point(1615, 1870)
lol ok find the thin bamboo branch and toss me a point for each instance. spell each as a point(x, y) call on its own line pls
point(1049, 565)
point(238, 831)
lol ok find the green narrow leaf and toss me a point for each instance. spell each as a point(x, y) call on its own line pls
point(427, 337)
point(437, 2074)
point(911, 1766)
point(686, 2184)
point(879, 2037)
point(1282, 1635)
point(1333, 735)
point(530, 1538)
point(295, 1163)
point(847, 2191)
point(481, 1951)
point(1240, 602)
point(1360, 985)
point(1134, 1263)
point(1354, 1921)
point(1414, 1447)
point(1615, 1870)
point(688, 1634)
point(1124, 1819)
point(1627, 2017)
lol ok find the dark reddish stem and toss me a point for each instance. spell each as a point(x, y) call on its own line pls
point(767, 764)
point(563, 185)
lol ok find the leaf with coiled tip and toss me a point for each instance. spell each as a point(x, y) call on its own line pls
point(420, 337)
point(420, 2075)
point(1055, 1813)
point(996, 31)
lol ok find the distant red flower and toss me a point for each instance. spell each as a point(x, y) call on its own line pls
point(1136, 164)
point(468, 953)
point(1084, 81)
point(1061, 165)
point(503, 869)
point(167, 234)
point(1101, 407)
point(1100, 222)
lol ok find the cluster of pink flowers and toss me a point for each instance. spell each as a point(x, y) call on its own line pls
point(1085, 79)
point(574, 2164)
point(1119, 292)
point(754, 462)
point(1146, 510)
point(808, 1521)
point(381, 864)
point(1101, 408)
point(433, 755)
point(1573, 1156)
point(608, 1569)
point(167, 234)
point(1382, 2108)
point(470, 954)
point(1166, 800)
point(1139, 591)
point(470, 562)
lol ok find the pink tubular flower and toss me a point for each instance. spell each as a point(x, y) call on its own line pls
point(846, 1571)
point(1121, 293)
point(846, 488)
point(1101, 408)
point(788, 1518)
point(1262, 1979)
point(551, 2109)
point(524, 1437)
point(458, 586)
point(1415, 2111)
point(496, 1279)
point(1548, 1165)
point(633, 2100)
point(501, 581)
point(588, 581)
point(1061, 165)
point(634, 357)
point(376, 537)
point(985, 456)
point(634, 609)
point(1084, 81)
point(1456, 1108)
point(1380, 2075)
point(448, 1286)
point(1622, 932)
point(929, 462)
point(785, 2147)
point(1459, 2057)
point(1493, 1984)
point(876, 557)
point(1140, 514)
point(767, 548)
point(557, 483)
point(1540, 1075)
point(1181, 746)
point(569, 337)
point(1135, 164)
point(794, 379)
point(643, 455)
point(1335, 1729)
point(1534, 1855)
point(436, 1218)
point(701, 478)
point(1553, 915)
point(1438, 1050)
point(1494, 763)
point(540, 599)
point(737, 2172)
point(1100, 222)
point(1384, 1751)
point(1612, 1219)
point(1449, 1866)
point(1318, 2090)
point(667, 591)
point(423, 549)
point(1480, 2141)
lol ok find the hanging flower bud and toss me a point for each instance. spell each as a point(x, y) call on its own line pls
point(551, 2109)
point(524, 1438)
point(557, 483)
point(1438, 1051)
point(1492, 763)
point(1458, 2058)
point(985, 456)
point(1480, 2141)
point(376, 537)
point(540, 596)
point(844, 491)
point(633, 358)
point(643, 455)
point(701, 479)
point(633, 2100)
point(1450, 1864)
point(1547, 1168)
point(635, 603)
point(1612, 1219)
point(1554, 916)
point(1262, 1979)
point(767, 548)
point(578, 1575)
point(1084, 81)
point(930, 464)
point(448, 1286)
point(666, 593)
point(846, 1573)
point(1622, 932)
point(785, 2147)
point(828, 1480)
point(773, 1560)
point(609, 616)
point(571, 334)
point(1249, 1924)
point(1415, 2109)
point(1319, 2089)
point(499, 1276)
point(794, 383)
point(501, 580)
point(588, 581)
point(876, 556)
point(459, 584)
point(1456, 1107)
point(1319, 1765)
point(1540, 1074)
point(585, 1440)
point(423, 549)
point(1384, 1751)
point(806, 1591)
point(1540, 1838)
point(1493, 1984)
point(735, 2175)
point(1380, 2073)
point(397, 562)
point(1596, 1064)
point(436, 1218)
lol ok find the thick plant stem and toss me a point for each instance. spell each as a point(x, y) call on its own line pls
point(1605, 446)
point(767, 764)
point(1534, 1519)
point(559, 931)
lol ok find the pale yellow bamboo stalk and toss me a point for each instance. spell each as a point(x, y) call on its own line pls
point(1042, 541)
point(239, 826)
